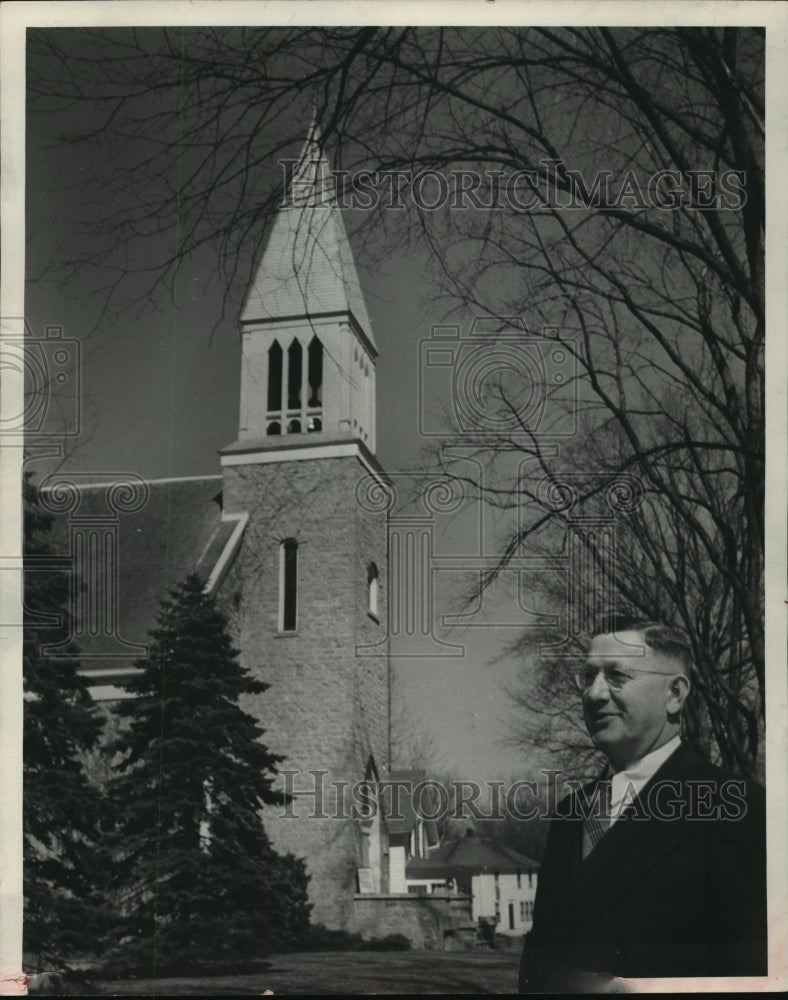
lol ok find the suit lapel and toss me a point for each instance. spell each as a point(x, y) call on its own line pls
point(632, 846)
point(560, 865)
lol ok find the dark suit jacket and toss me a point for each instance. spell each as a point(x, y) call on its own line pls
point(658, 896)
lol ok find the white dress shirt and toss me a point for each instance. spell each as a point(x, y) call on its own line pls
point(626, 785)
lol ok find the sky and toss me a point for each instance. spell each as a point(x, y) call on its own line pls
point(159, 397)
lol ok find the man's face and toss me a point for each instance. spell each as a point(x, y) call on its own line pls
point(629, 723)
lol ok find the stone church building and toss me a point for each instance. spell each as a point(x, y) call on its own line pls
point(282, 536)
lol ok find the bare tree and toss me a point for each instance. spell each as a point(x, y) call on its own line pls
point(664, 563)
point(633, 222)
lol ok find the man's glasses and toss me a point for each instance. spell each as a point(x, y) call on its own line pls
point(615, 679)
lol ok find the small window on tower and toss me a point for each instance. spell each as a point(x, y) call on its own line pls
point(274, 377)
point(288, 585)
point(294, 362)
point(315, 372)
point(372, 590)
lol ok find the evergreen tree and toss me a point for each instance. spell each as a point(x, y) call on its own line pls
point(201, 878)
point(63, 915)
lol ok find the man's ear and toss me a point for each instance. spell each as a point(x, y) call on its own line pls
point(678, 690)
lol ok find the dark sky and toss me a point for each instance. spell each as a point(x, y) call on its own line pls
point(160, 384)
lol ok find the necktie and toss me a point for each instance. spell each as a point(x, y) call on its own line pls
point(596, 825)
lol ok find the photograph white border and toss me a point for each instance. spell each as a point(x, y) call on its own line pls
point(16, 17)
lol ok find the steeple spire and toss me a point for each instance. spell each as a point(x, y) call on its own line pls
point(308, 354)
point(310, 183)
point(307, 268)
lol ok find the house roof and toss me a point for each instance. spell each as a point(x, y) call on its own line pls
point(402, 809)
point(177, 529)
point(307, 266)
point(470, 856)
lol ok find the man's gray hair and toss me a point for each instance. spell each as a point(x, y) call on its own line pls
point(663, 638)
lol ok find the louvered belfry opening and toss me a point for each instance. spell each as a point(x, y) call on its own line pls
point(295, 378)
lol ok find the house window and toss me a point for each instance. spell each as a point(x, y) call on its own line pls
point(519, 881)
point(372, 589)
point(530, 880)
point(288, 585)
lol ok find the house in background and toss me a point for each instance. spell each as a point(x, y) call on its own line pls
point(500, 882)
point(410, 835)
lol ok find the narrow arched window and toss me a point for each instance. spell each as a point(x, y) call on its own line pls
point(372, 589)
point(288, 585)
point(294, 427)
point(274, 377)
point(274, 427)
point(294, 362)
point(315, 372)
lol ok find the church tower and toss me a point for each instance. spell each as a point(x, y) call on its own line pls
point(308, 587)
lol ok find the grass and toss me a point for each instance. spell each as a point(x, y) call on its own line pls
point(348, 972)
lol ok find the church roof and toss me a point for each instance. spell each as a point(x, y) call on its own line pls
point(307, 266)
point(178, 529)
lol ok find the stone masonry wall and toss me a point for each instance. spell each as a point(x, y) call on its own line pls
point(423, 920)
point(326, 709)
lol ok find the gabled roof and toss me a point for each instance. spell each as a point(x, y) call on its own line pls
point(307, 267)
point(399, 810)
point(470, 856)
point(178, 529)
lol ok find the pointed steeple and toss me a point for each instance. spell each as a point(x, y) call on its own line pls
point(308, 354)
point(307, 268)
point(311, 183)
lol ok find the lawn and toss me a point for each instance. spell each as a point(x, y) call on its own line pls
point(348, 972)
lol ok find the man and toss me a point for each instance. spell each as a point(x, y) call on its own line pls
point(668, 877)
